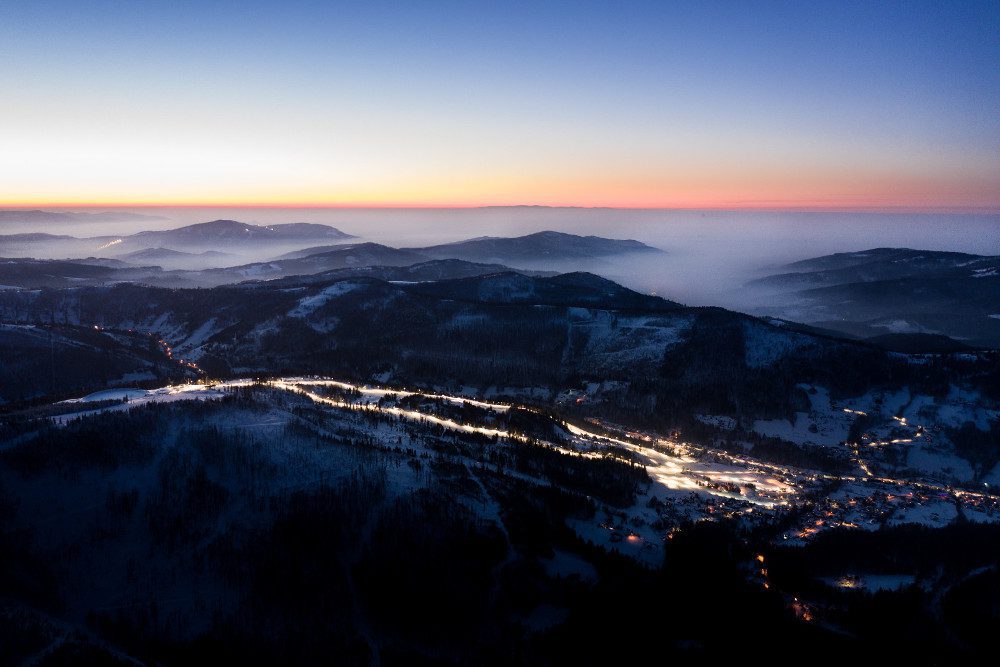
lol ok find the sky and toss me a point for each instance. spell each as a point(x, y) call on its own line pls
point(831, 105)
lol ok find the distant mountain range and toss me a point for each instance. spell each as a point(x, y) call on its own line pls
point(901, 298)
point(27, 273)
point(873, 265)
point(177, 259)
point(160, 253)
point(435, 269)
point(206, 259)
point(568, 289)
point(500, 252)
point(219, 235)
point(370, 260)
point(538, 247)
point(347, 256)
point(43, 217)
point(284, 242)
point(33, 237)
point(893, 291)
point(233, 232)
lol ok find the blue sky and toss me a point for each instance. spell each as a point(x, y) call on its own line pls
point(466, 103)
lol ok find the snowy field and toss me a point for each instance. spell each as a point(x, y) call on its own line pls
point(688, 482)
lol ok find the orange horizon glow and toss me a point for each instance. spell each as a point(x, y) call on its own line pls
point(771, 188)
point(656, 108)
point(673, 205)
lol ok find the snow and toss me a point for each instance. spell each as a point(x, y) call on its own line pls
point(939, 463)
point(901, 326)
point(463, 320)
point(894, 403)
point(736, 483)
point(797, 432)
point(935, 514)
point(376, 393)
point(688, 483)
point(614, 340)
point(197, 338)
point(161, 323)
point(506, 287)
point(136, 397)
point(718, 421)
point(675, 467)
point(993, 477)
point(766, 345)
point(832, 424)
point(259, 269)
point(962, 406)
point(913, 425)
point(310, 304)
point(986, 514)
point(111, 395)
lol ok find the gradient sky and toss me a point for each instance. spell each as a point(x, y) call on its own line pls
point(640, 104)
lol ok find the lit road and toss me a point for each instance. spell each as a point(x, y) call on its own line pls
point(675, 466)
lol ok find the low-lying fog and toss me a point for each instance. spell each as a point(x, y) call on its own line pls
point(710, 254)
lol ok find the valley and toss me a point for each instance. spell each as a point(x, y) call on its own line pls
point(528, 437)
point(680, 472)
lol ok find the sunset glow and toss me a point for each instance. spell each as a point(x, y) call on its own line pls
point(839, 106)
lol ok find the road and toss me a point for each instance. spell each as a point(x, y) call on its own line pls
point(673, 465)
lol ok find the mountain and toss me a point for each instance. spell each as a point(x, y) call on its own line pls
point(540, 449)
point(538, 247)
point(44, 245)
point(48, 217)
point(203, 233)
point(874, 265)
point(313, 250)
point(171, 268)
point(436, 269)
point(916, 343)
point(36, 237)
point(177, 259)
point(163, 253)
point(570, 289)
point(345, 256)
point(906, 259)
point(60, 360)
point(233, 232)
point(658, 363)
point(280, 517)
point(249, 241)
point(893, 291)
point(105, 261)
point(308, 230)
point(35, 216)
point(177, 250)
point(37, 273)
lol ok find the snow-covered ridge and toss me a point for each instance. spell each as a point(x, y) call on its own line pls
point(309, 304)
